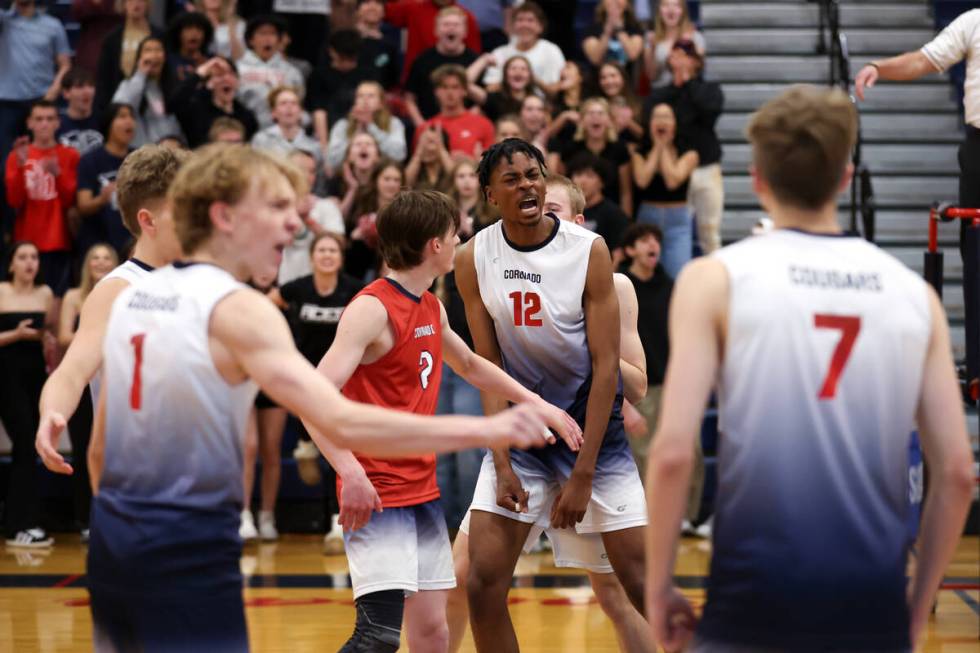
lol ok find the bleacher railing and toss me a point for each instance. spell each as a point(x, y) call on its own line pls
point(833, 42)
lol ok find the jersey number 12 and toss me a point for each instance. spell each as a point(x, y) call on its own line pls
point(526, 308)
point(849, 326)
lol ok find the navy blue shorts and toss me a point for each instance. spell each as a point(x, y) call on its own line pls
point(164, 579)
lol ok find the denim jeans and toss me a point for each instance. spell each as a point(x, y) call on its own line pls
point(457, 472)
point(675, 222)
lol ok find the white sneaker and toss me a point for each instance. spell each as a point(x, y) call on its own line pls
point(687, 529)
point(267, 526)
point(333, 543)
point(32, 538)
point(704, 530)
point(247, 529)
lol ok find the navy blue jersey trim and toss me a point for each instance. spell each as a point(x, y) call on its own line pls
point(400, 288)
point(146, 266)
point(541, 245)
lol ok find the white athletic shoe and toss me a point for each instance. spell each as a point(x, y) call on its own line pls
point(687, 528)
point(308, 462)
point(704, 530)
point(247, 529)
point(333, 543)
point(32, 538)
point(267, 526)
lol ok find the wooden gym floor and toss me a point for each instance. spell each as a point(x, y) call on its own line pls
point(299, 600)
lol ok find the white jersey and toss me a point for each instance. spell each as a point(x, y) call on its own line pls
point(534, 295)
point(131, 270)
point(174, 426)
point(822, 370)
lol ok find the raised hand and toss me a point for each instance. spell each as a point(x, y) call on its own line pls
point(20, 147)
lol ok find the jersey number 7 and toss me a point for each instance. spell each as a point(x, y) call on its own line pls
point(849, 326)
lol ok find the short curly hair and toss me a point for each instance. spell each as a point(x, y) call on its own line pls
point(144, 177)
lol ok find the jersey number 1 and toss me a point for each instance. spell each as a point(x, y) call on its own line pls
point(526, 308)
point(136, 391)
point(849, 326)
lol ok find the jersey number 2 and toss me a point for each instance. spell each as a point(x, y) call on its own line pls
point(849, 326)
point(425, 368)
point(526, 308)
point(136, 391)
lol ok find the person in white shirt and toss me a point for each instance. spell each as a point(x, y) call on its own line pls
point(546, 58)
point(287, 133)
point(262, 68)
point(959, 41)
point(319, 215)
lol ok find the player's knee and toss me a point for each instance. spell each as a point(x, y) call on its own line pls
point(378, 625)
point(429, 632)
point(610, 596)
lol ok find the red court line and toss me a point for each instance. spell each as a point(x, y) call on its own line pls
point(66, 581)
point(960, 586)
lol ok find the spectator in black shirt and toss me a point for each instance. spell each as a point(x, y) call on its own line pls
point(208, 94)
point(450, 48)
point(335, 80)
point(518, 84)
point(381, 43)
point(662, 174)
point(615, 35)
point(601, 216)
point(697, 103)
point(79, 127)
point(189, 39)
point(596, 133)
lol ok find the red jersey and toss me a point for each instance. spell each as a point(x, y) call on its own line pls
point(406, 378)
point(40, 198)
point(469, 133)
point(418, 18)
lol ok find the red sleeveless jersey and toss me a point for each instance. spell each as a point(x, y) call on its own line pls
point(406, 378)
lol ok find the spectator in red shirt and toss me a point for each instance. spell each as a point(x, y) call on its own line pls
point(41, 179)
point(419, 18)
point(469, 133)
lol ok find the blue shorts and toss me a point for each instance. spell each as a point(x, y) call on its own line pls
point(165, 579)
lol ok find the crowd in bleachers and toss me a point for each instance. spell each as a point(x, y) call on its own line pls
point(367, 98)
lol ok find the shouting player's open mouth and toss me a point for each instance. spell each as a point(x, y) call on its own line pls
point(529, 205)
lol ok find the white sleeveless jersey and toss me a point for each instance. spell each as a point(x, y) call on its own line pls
point(823, 360)
point(131, 270)
point(534, 296)
point(174, 426)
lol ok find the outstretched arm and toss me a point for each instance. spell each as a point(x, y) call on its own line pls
point(946, 446)
point(256, 337)
point(489, 378)
point(697, 311)
point(64, 387)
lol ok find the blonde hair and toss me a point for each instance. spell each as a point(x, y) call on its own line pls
point(224, 11)
point(611, 134)
point(802, 142)
point(221, 172)
point(576, 200)
point(381, 117)
point(144, 177)
point(686, 25)
point(88, 281)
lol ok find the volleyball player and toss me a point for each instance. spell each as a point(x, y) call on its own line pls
point(565, 200)
point(141, 189)
point(389, 350)
point(827, 353)
point(540, 301)
point(185, 350)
